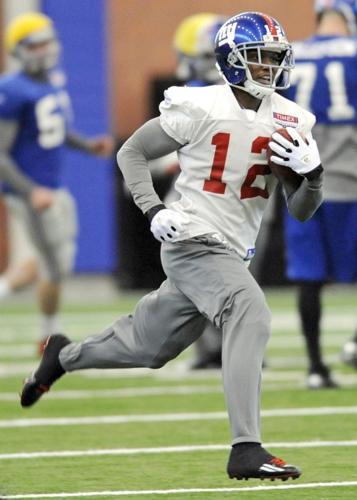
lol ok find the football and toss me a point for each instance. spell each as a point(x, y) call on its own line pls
point(282, 173)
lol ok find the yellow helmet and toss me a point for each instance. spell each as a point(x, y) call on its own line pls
point(24, 26)
point(194, 45)
point(28, 30)
point(187, 38)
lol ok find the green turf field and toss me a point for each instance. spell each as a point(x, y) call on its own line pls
point(141, 433)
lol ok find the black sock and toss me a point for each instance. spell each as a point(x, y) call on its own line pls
point(309, 306)
point(50, 368)
point(246, 446)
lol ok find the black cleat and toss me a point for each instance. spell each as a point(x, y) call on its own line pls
point(47, 373)
point(253, 461)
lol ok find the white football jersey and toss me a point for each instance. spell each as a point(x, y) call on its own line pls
point(225, 182)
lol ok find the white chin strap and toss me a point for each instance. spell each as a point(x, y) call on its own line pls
point(250, 86)
point(256, 90)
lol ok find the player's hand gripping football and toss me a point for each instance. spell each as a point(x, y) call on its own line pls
point(167, 225)
point(301, 155)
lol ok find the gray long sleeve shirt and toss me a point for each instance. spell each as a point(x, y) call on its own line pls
point(10, 172)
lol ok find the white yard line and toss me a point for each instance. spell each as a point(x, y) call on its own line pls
point(24, 325)
point(174, 370)
point(170, 417)
point(165, 449)
point(14, 369)
point(179, 371)
point(11, 350)
point(87, 317)
point(181, 491)
point(124, 393)
point(16, 351)
point(269, 384)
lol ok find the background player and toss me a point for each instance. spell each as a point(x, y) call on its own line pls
point(35, 116)
point(325, 248)
point(221, 134)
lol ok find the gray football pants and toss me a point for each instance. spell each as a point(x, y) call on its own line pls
point(204, 280)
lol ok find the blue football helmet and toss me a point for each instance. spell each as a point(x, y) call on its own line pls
point(253, 33)
point(348, 8)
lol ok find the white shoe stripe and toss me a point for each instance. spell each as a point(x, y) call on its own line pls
point(270, 468)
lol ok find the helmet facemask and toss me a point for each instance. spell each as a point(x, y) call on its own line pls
point(278, 78)
point(201, 67)
point(39, 52)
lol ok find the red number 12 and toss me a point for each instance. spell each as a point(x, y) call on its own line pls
point(215, 185)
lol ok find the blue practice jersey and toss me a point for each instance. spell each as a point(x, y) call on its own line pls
point(324, 80)
point(41, 111)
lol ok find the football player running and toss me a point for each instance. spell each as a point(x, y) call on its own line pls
point(220, 133)
point(34, 130)
point(325, 248)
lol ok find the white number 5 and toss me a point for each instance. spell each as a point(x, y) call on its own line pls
point(50, 122)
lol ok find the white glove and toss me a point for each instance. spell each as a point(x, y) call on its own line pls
point(300, 156)
point(168, 225)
